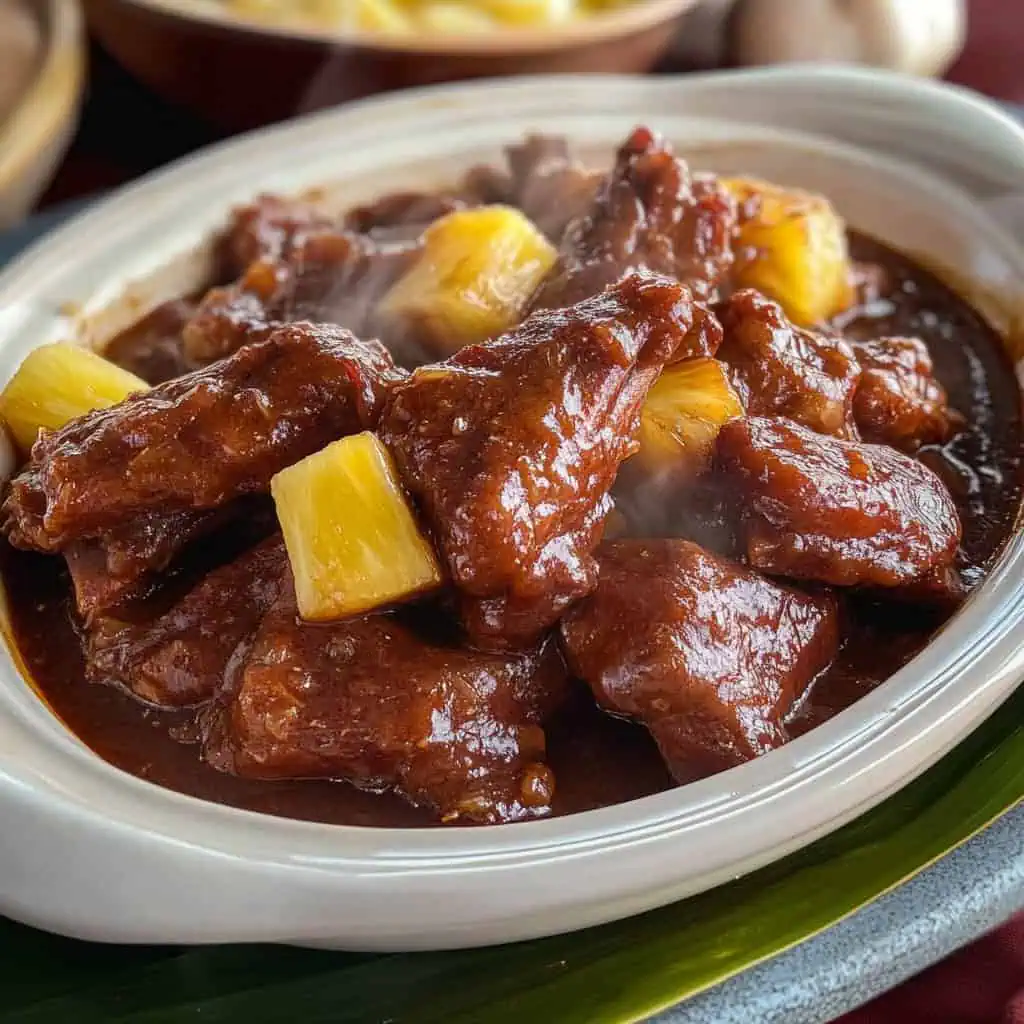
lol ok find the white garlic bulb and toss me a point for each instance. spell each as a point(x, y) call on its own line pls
point(921, 37)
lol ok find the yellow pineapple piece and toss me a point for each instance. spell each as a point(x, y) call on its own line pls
point(688, 405)
point(450, 16)
point(478, 270)
point(792, 247)
point(372, 15)
point(358, 15)
point(58, 383)
point(352, 539)
point(530, 12)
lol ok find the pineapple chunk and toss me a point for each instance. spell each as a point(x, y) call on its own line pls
point(792, 247)
point(364, 15)
point(448, 16)
point(477, 271)
point(352, 539)
point(531, 12)
point(684, 411)
point(56, 384)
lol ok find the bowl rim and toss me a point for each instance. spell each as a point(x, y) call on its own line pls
point(53, 94)
point(634, 16)
point(75, 783)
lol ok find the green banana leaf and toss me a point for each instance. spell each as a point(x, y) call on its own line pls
point(616, 973)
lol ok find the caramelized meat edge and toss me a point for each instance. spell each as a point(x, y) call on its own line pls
point(198, 442)
point(707, 654)
point(842, 512)
point(370, 701)
point(511, 447)
point(180, 658)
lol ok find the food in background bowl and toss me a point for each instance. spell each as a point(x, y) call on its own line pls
point(306, 554)
point(406, 17)
point(172, 45)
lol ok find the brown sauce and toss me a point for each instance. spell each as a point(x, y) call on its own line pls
point(598, 760)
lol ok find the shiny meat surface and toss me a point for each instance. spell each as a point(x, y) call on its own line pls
point(201, 440)
point(325, 277)
point(780, 369)
point(181, 657)
point(899, 402)
point(368, 700)
point(649, 214)
point(710, 656)
point(548, 185)
point(511, 447)
point(842, 512)
point(265, 230)
point(154, 348)
point(106, 571)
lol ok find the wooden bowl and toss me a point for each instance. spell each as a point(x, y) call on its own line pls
point(35, 134)
point(242, 73)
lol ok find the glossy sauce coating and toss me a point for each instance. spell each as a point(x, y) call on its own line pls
point(710, 656)
point(200, 441)
point(371, 701)
point(511, 448)
point(842, 512)
point(780, 369)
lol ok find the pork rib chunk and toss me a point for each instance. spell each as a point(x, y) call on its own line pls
point(107, 571)
point(779, 369)
point(710, 656)
point(199, 441)
point(181, 658)
point(266, 229)
point(648, 214)
point(325, 276)
point(511, 447)
point(899, 402)
point(843, 512)
point(369, 701)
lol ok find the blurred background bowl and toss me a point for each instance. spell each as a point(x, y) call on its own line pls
point(240, 72)
point(36, 130)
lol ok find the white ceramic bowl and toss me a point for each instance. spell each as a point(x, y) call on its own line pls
point(93, 852)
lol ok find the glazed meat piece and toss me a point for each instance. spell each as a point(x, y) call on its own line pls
point(127, 563)
point(199, 441)
point(327, 277)
point(180, 658)
point(549, 186)
point(780, 369)
point(898, 400)
point(843, 512)
point(154, 348)
point(649, 214)
point(710, 656)
point(265, 230)
point(107, 571)
point(368, 700)
point(511, 447)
